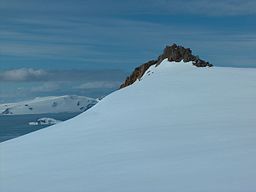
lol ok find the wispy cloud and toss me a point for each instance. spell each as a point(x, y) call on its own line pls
point(99, 85)
point(207, 7)
point(117, 7)
point(23, 74)
point(47, 87)
point(33, 75)
point(24, 83)
point(120, 34)
point(122, 43)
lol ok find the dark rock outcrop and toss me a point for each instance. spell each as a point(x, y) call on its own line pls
point(7, 111)
point(177, 54)
point(172, 53)
point(138, 73)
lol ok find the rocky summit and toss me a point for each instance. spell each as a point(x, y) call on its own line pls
point(172, 53)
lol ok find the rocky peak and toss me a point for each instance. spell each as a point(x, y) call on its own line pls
point(172, 53)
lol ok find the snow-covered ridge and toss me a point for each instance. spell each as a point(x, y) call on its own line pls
point(173, 53)
point(180, 128)
point(52, 104)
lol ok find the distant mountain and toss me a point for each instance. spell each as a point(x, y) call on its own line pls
point(52, 104)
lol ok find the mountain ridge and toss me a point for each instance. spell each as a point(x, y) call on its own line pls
point(174, 53)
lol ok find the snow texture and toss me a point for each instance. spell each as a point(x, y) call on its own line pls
point(180, 128)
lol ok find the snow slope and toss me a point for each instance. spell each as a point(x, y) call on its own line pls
point(181, 128)
point(52, 104)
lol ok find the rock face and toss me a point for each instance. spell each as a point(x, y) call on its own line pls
point(172, 53)
point(137, 73)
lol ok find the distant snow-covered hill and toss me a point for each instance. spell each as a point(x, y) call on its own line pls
point(178, 128)
point(52, 104)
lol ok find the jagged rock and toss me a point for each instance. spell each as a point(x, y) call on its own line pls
point(137, 73)
point(175, 53)
point(172, 53)
point(201, 63)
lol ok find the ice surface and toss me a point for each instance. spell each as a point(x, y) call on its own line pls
point(181, 128)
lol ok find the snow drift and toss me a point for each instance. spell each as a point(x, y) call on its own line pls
point(180, 128)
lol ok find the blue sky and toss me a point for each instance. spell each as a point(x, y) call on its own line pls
point(105, 40)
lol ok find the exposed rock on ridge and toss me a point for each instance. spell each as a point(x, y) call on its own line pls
point(172, 53)
point(137, 73)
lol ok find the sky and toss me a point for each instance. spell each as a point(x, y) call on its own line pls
point(88, 47)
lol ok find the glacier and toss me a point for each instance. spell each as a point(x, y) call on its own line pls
point(178, 128)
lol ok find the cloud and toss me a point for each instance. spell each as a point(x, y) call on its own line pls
point(120, 34)
point(207, 7)
point(127, 35)
point(117, 7)
point(23, 74)
point(34, 75)
point(27, 83)
point(47, 87)
point(99, 85)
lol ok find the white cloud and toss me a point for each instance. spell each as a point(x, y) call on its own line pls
point(47, 87)
point(23, 74)
point(99, 84)
point(206, 7)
